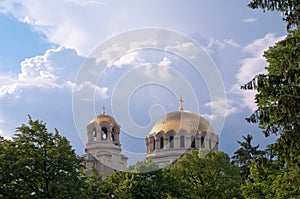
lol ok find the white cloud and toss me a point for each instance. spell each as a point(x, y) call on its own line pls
point(249, 20)
point(254, 63)
point(43, 71)
point(220, 108)
point(127, 59)
point(160, 71)
point(222, 44)
point(110, 54)
point(102, 91)
point(151, 70)
point(185, 48)
point(165, 62)
point(63, 22)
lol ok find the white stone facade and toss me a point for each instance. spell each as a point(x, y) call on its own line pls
point(103, 149)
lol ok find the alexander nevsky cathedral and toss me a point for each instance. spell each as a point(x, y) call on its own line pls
point(170, 137)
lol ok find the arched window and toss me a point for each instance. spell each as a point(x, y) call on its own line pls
point(113, 134)
point(94, 135)
point(193, 144)
point(161, 142)
point(202, 141)
point(182, 144)
point(171, 140)
point(103, 133)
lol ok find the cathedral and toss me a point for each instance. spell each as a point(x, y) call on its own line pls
point(170, 137)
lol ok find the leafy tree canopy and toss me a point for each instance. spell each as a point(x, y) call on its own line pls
point(38, 164)
point(290, 9)
point(142, 180)
point(271, 178)
point(244, 156)
point(205, 176)
point(278, 97)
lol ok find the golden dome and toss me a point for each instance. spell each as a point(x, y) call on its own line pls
point(104, 118)
point(181, 121)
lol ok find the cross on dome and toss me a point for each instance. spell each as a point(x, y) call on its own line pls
point(181, 107)
point(103, 110)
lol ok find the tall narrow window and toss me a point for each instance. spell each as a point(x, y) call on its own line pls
point(209, 143)
point(171, 142)
point(162, 142)
point(103, 133)
point(94, 135)
point(193, 145)
point(113, 134)
point(202, 141)
point(182, 144)
point(153, 145)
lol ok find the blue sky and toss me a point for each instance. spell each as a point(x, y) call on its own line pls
point(45, 43)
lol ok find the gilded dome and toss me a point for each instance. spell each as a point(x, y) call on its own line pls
point(181, 121)
point(104, 118)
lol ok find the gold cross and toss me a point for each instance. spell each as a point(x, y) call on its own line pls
point(103, 110)
point(181, 107)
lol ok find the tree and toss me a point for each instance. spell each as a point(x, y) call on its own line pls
point(245, 155)
point(290, 9)
point(143, 167)
point(143, 180)
point(39, 164)
point(96, 187)
point(278, 111)
point(205, 176)
point(271, 178)
point(8, 157)
point(278, 97)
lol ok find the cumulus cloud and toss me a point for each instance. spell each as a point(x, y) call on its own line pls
point(127, 59)
point(160, 70)
point(220, 108)
point(254, 63)
point(101, 91)
point(222, 44)
point(57, 68)
point(184, 48)
point(165, 62)
point(60, 22)
point(35, 72)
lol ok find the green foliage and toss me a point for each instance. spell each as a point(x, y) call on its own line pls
point(137, 182)
point(272, 179)
point(276, 174)
point(209, 176)
point(278, 97)
point(38, 164)
point(278, 100)
point(143, 167)
point(245, 155)
point(96, 187)
point(290, 9)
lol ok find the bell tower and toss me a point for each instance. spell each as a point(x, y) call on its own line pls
point(103, 148)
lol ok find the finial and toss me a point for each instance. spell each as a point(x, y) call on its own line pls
point(103, 110)
point(181, 107)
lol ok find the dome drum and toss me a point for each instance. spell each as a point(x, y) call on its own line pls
point(104, 146)
point(98, 131)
